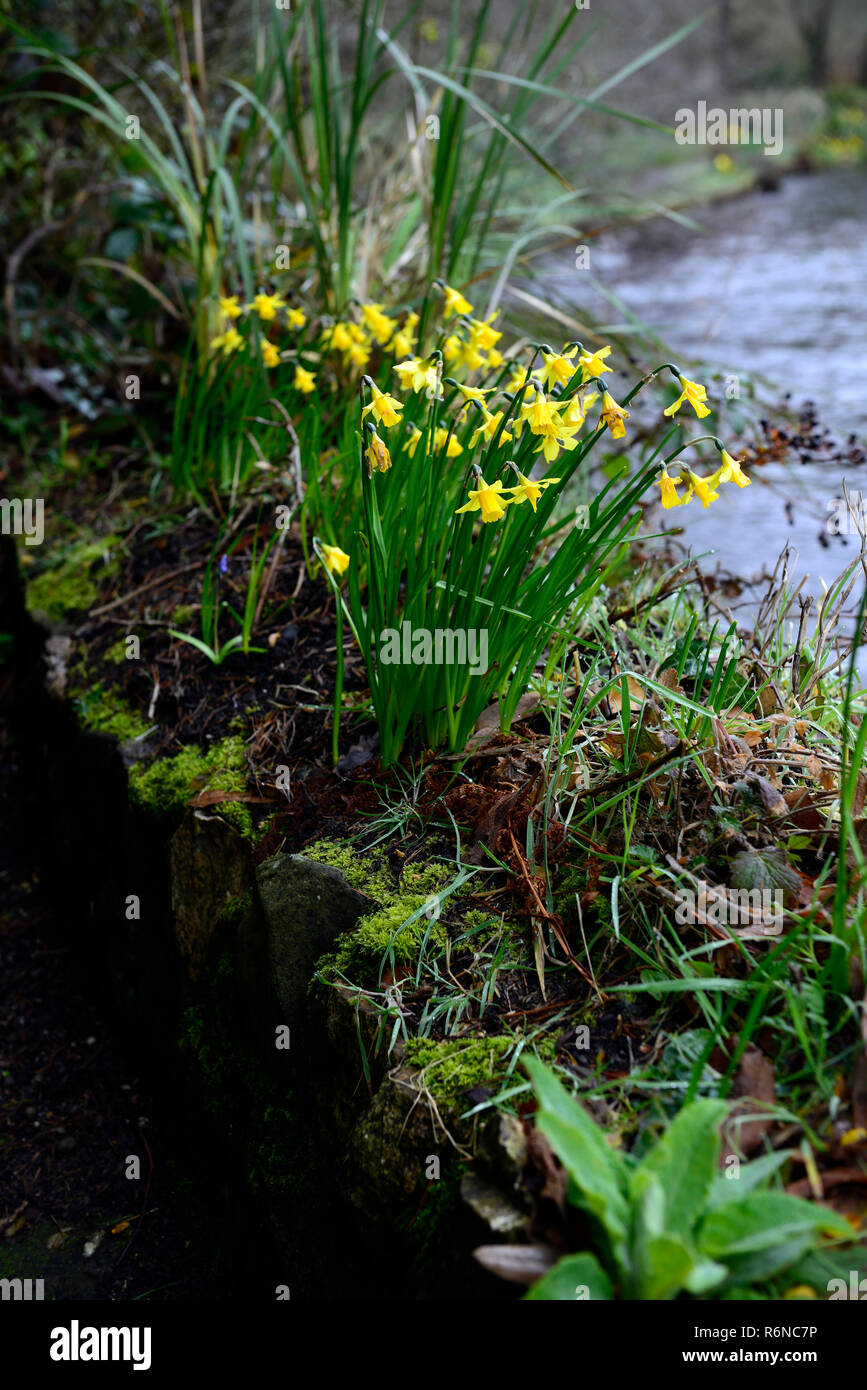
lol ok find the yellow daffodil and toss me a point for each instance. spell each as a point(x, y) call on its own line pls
point(592, 364)
point(229, 341)
point(518, 379)
point(574, 413)
point(419, 375)
point(731, 471)
point(358, 354)
point(551, 444)
point(668, 492)
point(442, 437)
point(229, 306)
point(335, 560)
point(695, 394)
point(703, 488)
point(488, 428)
point(296, 318)
point(381, 326)
point(385, 407)
point(472, 393)
point(469, 356)
point(270, 354)
point(528, 489)
point(558, 367)
point(540, 414)
point(304, 381)
point(452, 348)
point(482, 335)
point(337, 338)
point(266, 306)
point(455, 302)
point(405, 339)
point(495, 357)
point(613, 416)
point(377, 455)
point(414, 436)
point(487, 498)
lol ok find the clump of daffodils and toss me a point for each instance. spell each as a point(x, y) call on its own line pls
point(705, 489)
point(464, 397)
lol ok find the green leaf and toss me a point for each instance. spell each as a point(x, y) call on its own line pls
point(685, 1163)
point(597, 1171)
point(750, 1175)
point(763, 1220)
point(569, 1278)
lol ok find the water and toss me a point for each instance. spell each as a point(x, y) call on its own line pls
point(774, 286)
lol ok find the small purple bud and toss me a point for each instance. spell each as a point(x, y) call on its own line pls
point(224, 564)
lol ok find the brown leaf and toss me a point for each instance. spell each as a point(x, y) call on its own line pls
point(752, 1090)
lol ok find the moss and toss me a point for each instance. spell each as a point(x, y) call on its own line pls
point(182, 615)
point(368, 872)
point(106, 712)
point(450, 1068)
point(164, 787)
point(73, 584)
point(116, 653)
point(390, 931)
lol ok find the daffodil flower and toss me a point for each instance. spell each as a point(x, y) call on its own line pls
point(296, 318)
point(487, 498)
point(482, 335)
point(454, 302)
point(377, 455)
point(471, 393)
point(575, 410)
point(229, 306)
point(270, 354)
point(419, 375)
point(405, 339)
point(266, 306)
point(551, 444)
point(304, 381)
point(229, 341)
point(337, 338)
point(335, 560)
point(381, 326)
point(669, 495)
point(592, 364)
point(695, 394)
point(528, 489)
point(613, 416)
point(414, 437)
point(488, 428)
point(731, 471)
point(703, 488)
point(385, 407)
point(558, 367)
point(443, 438)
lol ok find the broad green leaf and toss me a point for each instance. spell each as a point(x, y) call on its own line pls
point(750, 1176)
point(598, 1172)
point(763, 1220)
point(685, 1163)
point(569, 1279)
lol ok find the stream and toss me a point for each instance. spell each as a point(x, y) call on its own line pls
point(773, 287)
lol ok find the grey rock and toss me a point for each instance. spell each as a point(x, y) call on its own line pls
point(306, 906)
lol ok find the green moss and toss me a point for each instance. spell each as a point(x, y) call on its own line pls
point(390, 930)
point(182, 615)
point(164, 787)
point(72, 585)
point(368, 872)
point(106, 712)
point(116, 653)
point(455, 1066)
